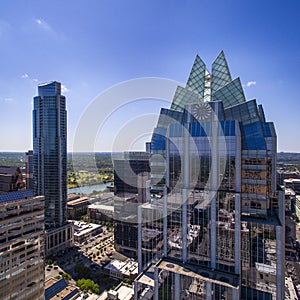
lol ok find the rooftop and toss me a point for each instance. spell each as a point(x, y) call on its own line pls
point(102, 207)
point(78, 201)
point(126, 268)
point(15, 196)
point(4, 170)
point(267, 269)
point(125, 292)
point(82, 228)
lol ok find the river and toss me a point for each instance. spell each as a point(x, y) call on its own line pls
point(89, 188)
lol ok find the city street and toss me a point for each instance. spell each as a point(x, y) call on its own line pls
point(93, 253)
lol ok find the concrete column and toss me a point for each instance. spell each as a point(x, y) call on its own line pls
point(208, 290)
point(177, 288)
point(235, 294)
point(165, 222)
point(140, 266)
point(135, 290)
point(156, 283)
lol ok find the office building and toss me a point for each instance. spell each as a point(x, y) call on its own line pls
point(50, 163)
point(21, 245)
point(214, 197)
point(29, 170)
point(131, 182)
point(130, 175)
point(78, 208)
point(11, 179)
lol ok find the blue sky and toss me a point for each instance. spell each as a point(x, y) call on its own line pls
point(90, 46)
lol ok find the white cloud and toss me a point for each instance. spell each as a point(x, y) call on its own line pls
point(64, 89)
point(249, 83)
point(43, 24)
point(26, 76)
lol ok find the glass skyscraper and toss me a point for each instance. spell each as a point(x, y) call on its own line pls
point(214, 226)
point(50, 152)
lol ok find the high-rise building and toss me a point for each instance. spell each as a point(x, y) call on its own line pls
point(131, 183)
point(130, 175)
point(215, 221)
point(29, 170)
point(50, 162)
point(50, 152)
point(21, 245)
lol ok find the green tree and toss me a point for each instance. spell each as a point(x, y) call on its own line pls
point(66, 276)
point(128, 280)
point(88, 285)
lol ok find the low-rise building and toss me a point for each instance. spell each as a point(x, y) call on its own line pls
point(60, 289)
point(77, 208)
point(289, 196)
point(100, 212)
point(293, 183)
point(297, 206)
point(122, 292)
point(285, 174)
point(11, 179)
point(122, 269)
point(84, 231)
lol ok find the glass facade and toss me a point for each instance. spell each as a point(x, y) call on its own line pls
point(211, 229)
point(50, 152)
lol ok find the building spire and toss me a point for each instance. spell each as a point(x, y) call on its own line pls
point(220, 72)
point(196, 79)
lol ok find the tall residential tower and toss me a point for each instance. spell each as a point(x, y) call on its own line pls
point(50, 160)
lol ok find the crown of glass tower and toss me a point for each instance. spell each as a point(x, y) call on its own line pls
point(217, 216)
point(50, 152)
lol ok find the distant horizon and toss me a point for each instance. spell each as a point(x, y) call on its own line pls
point(108, 152)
